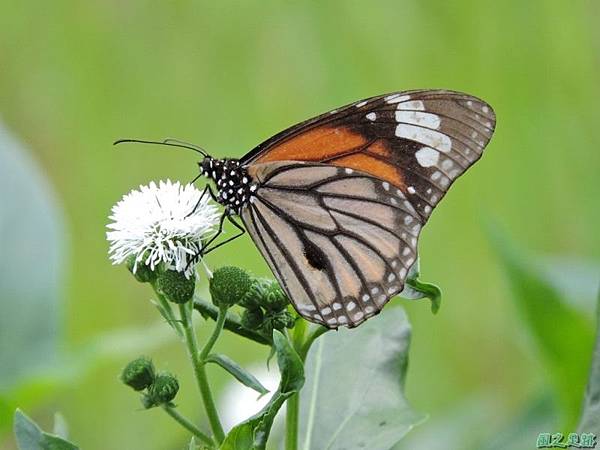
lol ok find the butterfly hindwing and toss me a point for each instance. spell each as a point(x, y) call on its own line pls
point(338, 264)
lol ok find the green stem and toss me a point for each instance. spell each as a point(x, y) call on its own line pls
point(215, 334)
point(318, 331)
point(293, 403)
point(291, 422)
point(232, 321)
point(200, 373)
point(188, 425)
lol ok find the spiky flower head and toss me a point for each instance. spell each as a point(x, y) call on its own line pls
point(162, 223)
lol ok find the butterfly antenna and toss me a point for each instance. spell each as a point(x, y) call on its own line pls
point(167, 142)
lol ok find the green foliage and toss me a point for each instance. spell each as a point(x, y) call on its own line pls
point(32, 239)
point(31, 437)
point(138, 374)
point(561, 333)
point(175, 286)
point(254, 432)
point(590, 418)
point(238, 372)
point(229, 285)
point(354, 394)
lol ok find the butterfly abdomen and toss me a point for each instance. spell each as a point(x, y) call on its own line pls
point(235, 187)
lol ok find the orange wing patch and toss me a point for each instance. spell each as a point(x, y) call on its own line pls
point(318, 144)
point(339, 146)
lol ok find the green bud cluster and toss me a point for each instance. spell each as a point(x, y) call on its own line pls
point(159, 389)
point(264, 302)
point(265, 306)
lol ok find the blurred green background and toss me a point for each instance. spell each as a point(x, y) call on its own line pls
point(76, 75)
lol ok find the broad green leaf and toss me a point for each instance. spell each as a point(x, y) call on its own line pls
point(562, 334)
point(30, 437)
point(240, 374)
point(354, 393)
point(590, 418)
point(471, 423)
point(32, 240)
point(253, 433)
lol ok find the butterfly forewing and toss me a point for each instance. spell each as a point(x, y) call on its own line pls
point(341, 198)
point(419, 141)
point(337, 264)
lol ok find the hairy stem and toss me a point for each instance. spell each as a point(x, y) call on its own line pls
point(200, 373)
point(188, 425)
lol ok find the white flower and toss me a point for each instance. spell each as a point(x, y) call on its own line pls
point(159, 224)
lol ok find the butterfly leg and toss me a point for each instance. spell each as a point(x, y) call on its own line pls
point(240, 228)
point(205, 250)
point(207, 189)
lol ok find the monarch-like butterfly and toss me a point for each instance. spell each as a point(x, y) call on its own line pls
point(335, 204)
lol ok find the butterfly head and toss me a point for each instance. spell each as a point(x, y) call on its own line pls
point(235, 188)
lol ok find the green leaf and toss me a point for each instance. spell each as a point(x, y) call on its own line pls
point(253, 433)
point(562, 334)
point(415, 289)
point(354, 394)
point(30, 437)
point(32, 239)
point(590, 418)
point(239, 373)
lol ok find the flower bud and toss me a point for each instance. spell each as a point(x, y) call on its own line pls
point(175, 286)
point(229, 285)
point(147, 401)
point(138, 374)
point(274, 299)
point(142, 273)
point(252, 319)
point(278, 321)
point(163, 390)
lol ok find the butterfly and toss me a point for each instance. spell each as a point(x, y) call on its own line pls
point(335, 204)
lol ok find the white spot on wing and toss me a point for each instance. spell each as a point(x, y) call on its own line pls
point(371, 116)
point(427, 137)
point(427, 157)
point(361, 104)
point(411, 189)
point(418, 118)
